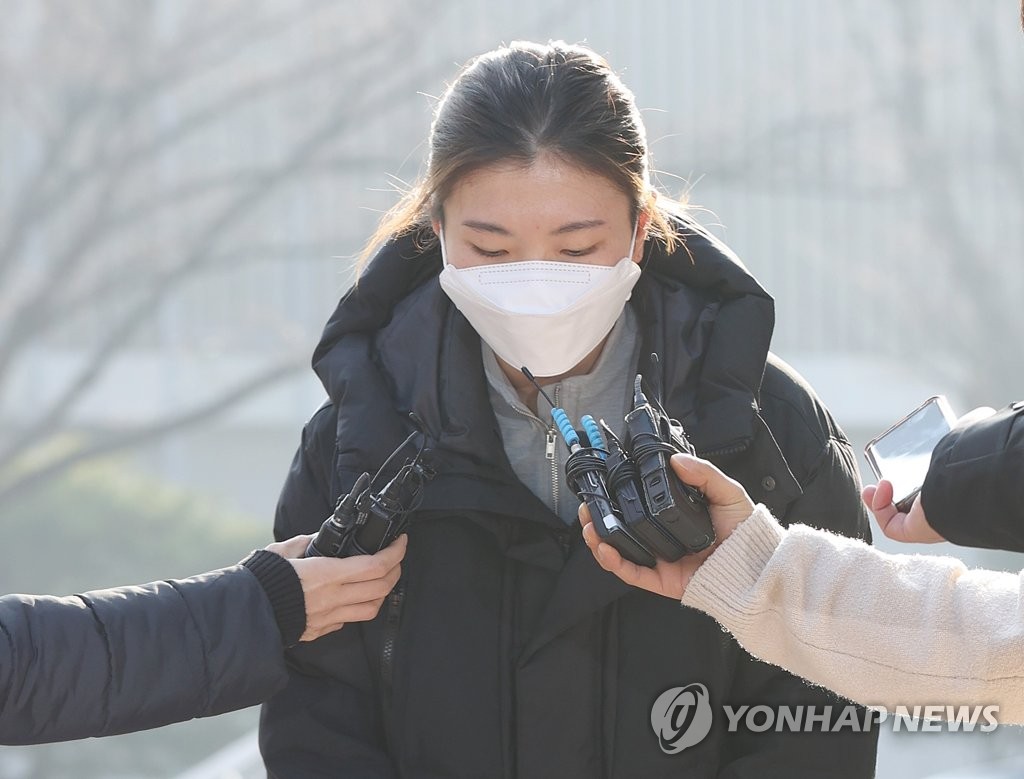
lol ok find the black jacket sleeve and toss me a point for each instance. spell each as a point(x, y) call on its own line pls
point(326, 721)
point(132, 658)
point(974, 492)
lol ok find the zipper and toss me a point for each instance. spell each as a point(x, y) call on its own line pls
point(550, 451)
point(387, 657)
point(550, 447)
point(387, 660)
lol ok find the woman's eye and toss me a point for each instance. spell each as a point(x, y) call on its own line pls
point(487, 252)
point(579, 252)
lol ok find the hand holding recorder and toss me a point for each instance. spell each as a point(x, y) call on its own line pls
point(637, 505)
point(367, 519)
point(728, 505)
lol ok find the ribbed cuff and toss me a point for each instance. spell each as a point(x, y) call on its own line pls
point(284, 590)
point(723, 584)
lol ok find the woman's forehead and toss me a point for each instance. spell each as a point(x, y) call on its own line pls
point(548, 193)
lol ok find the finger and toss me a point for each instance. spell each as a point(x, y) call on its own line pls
point(354, 612)
point(292, 548)
point(608, 557)
point(378, 565)
point(333, 570)
point(584, 514)
point(392, 555)
point(892, 525)
point(320, 624)
point(868, 494)
point(394, 575)
point(590, 536)
point(716, 486)
point(353, 594)
point(883, 496)
point(313, 633)
point(891, 521)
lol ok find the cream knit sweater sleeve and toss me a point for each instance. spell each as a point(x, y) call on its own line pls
point(883, 630)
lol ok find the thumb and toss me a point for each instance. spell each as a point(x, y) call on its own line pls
point(718, 488)
point(883, 496)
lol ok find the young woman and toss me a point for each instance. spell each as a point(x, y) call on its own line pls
point(536, 239)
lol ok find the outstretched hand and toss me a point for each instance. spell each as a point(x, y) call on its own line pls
point(336, 591)
point(728, 504)
point(911, 527)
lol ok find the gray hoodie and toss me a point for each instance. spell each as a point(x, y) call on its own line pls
point(533, 445)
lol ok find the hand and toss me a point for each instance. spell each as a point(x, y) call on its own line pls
point(728, 504)
point(911, 527)
point(350, 589)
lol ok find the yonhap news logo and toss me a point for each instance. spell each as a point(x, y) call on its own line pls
point(681, 717)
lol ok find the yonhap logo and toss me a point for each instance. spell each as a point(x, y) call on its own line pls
point(681, 717)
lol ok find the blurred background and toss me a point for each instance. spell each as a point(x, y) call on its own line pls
point(184, 186)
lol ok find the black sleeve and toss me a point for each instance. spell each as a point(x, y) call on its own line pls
point(974, 492)
point(326, 721)
point(283, 588)
point(830, 500)
point(127, 659)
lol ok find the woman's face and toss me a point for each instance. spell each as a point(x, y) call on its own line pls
point(550, 210)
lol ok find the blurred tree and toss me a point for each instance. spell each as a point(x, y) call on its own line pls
point(878, 112)
point(962, 307)
point(104, 525)
point(143, 169)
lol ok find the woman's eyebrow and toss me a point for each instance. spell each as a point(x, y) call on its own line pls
point(572, 227)
point(485, 227)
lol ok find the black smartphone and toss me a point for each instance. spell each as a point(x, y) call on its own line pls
point(903, 453)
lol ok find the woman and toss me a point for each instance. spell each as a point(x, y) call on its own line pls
point(505, 650)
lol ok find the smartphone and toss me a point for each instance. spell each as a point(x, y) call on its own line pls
point(903, 453)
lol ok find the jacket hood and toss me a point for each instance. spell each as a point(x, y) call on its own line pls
point(397, 344)
point(735, 333)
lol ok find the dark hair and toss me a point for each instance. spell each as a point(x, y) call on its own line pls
point(520, 102)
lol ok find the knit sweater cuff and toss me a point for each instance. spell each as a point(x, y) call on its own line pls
point(723, 585)
point(284, 590)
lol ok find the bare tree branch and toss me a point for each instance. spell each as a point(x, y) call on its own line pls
point(108, 444)
point(261, 186)
point(33, 313)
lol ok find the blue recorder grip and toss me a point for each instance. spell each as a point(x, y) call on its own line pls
point(586, 472)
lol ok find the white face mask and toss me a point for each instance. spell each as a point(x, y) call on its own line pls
point(544, 315)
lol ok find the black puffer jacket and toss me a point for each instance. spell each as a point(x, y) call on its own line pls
point(505, 650)
point(974, 492)
point(126, 659)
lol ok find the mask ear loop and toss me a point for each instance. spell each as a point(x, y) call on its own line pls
point(632, 243)
point(444, 254)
